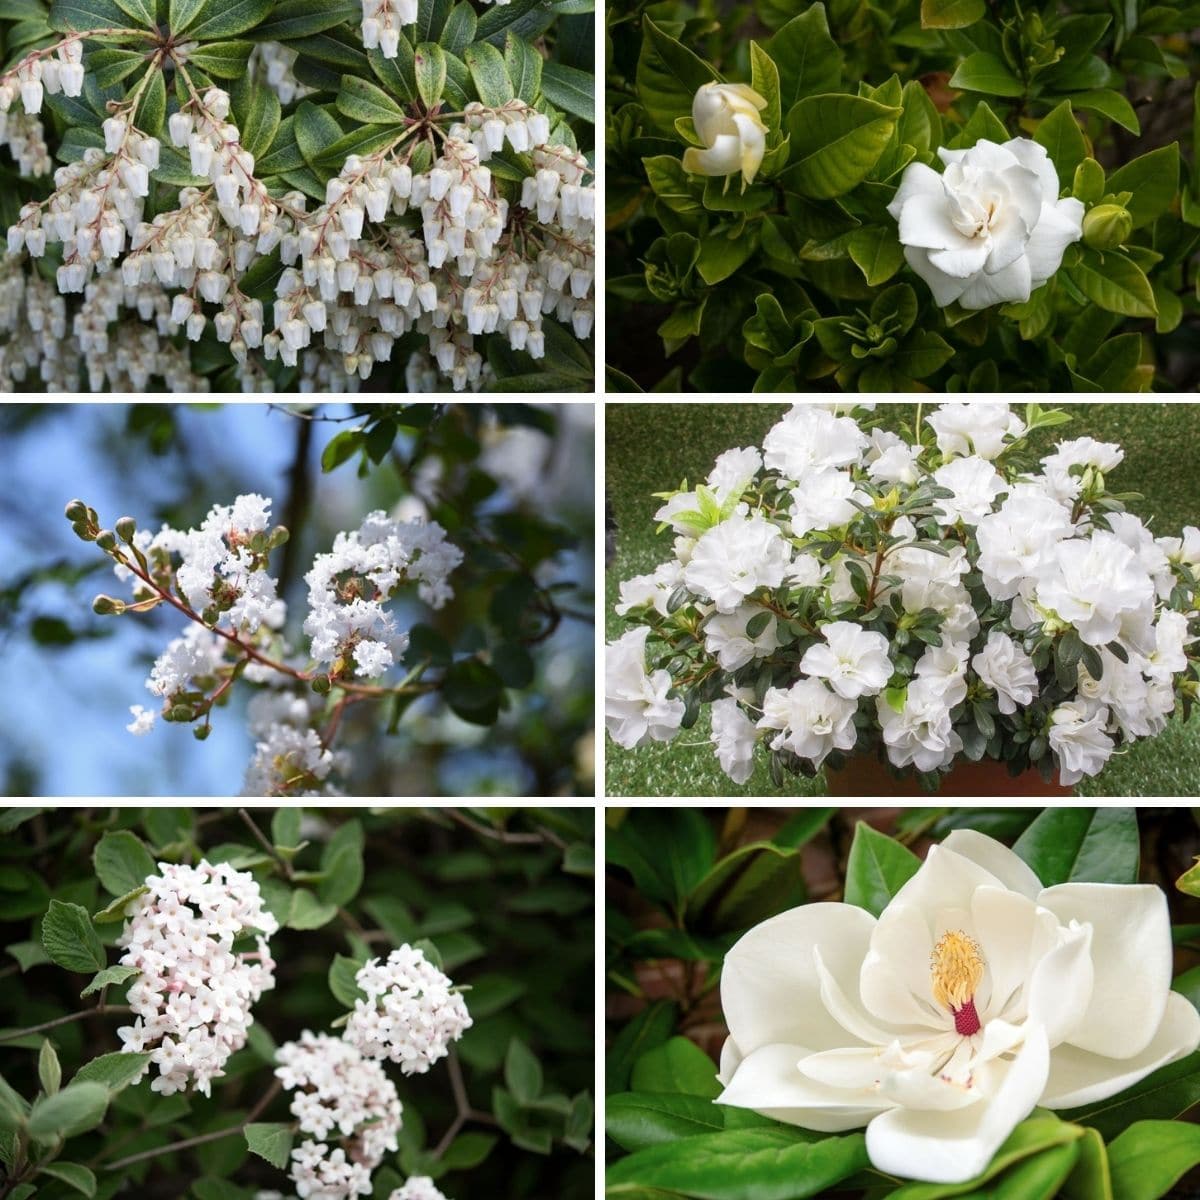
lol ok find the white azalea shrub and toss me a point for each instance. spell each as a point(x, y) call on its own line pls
point(401, 199)
point(926, 598)
point(949, 196)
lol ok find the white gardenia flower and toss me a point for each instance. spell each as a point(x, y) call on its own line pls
point(812, 438)
point(920, 734)
point(991, 227)
point(975, 484)
point(976, 996)
point(1078, 738)
point(735, 736)
point(853, 660)
point(727, 121)
point(979, 427)
point(736, 558)
point(1007, 670)
point(812, 720)
point(636, 707)
point(822, 500)
point(726, 636)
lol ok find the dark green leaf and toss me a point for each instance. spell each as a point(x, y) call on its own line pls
point(878, 867)
point(1082, 845)
point(70, 938)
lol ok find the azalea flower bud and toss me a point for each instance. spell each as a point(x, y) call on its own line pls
point(727, 120)
point(1107, 226)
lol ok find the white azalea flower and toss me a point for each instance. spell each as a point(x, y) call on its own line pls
point(654, 589)
point(891, 459)
point(812, 721)
point(636, 707)
point(726, 116)
point(1080, 452)
point(811, 439)
point(1020, 539)
point(725, 636)
point(991, 227)
point(976, 996)
point(734, 735)
point(853, 660)
point(1007, 670)
point(821, 500)
point(1078, 739)
point(735, 558)
point(975, 484)
point(921, 733)
point(979, 427)
point(945, 668)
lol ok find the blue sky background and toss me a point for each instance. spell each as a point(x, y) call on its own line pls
point(63, 709)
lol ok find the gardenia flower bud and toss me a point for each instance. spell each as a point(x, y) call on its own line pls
point(991, 227)
point(726, 116)
point(1107, 226)
point(192, 999)
point(411, 1012)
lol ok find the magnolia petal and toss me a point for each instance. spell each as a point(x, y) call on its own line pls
point(1058, 227)
point(1003, 925)
point(923, 1092)
point(723, 157)
point(1081, 1077)
point(946, 879)
point(1060, 988)
point(894, 980)
point(769, 990)
point(1131, 950)
point(951, 1147)
point(769, 1082)
point(1008, 869)
point(1011, 284)
point(852, 1017)
point(731, 1058)
point(918, 180)
point(925, 221)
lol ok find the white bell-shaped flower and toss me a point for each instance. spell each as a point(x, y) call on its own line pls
point(727, 120)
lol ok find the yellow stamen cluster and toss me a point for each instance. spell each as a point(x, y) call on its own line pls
point(955, 968)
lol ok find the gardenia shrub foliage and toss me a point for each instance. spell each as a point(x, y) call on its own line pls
point(927, 598)
point(263, 1030)
point(802, 1002)
point(918, 194)
point(281, 195)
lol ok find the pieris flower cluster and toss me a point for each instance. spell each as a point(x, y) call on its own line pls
point(382, 21)
point(51, 71)
point(348, 588)
point(410, 1014)
point(277, 63)
point(925, 596)
point(348, 1114)
point(193, 995)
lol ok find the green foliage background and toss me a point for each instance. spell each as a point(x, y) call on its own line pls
point(652, 447)
point(683, 884)
point(505, 897)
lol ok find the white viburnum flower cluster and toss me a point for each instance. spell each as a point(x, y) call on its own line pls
point(348, 1114)
point(410, 1014)
point(348, 587)
point(193, 995)
point(926, 598)
point(418, 1187)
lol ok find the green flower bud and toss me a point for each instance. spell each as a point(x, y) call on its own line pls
point(1089, 181)
point(76, 511)
point(320, 685)
point(201, 732)
point(279, 535)
point(1107, 226)
point(258, 542)
point(180, 712)
point(126, 527)
point(83, 530)
point(107, 606)
point(106, 539)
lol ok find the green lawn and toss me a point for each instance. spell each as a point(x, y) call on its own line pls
point(653, 447)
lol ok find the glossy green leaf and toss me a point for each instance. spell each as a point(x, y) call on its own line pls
point(524, 66)
point(489, 74)
point(635, 1120)
point(74, 1175)
point(301, 18)
point(362, 101)
point(226, 18)
point(747, 886)
point(1060, 134)
point(876, 251)
point(1082, 845)
point(667, 851)
point(668, 75)
point(1090, 1179)
point(222, 60)
point(68, 15)
point(1162, 1095)
point(836, 140)
point(1154, 181)
point(315, 131)
point(983, 72)
point(1150, 1156)
point(570, 89)
point(878, 867)
point(677, 1067)
point(1109, 104)
point(808, 59)
point(951, 14)
point(429, 63)
point(1114, 282)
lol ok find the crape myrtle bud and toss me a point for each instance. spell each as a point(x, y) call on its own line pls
point(76, 511)
point(106, 539)
point(83, 531)
point(321, 685)
point(106, 606)
point(126, 527)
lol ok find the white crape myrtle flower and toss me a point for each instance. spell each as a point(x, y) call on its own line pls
point(411, 1012)
point(1007, 670)
point(812, 721)
point(348, 1114)
point(854, 661)
point(418, 1187)
point(921, 733)
point(187, 660)
point(636, 707)
point(728, 122)
point(143, 720)
point(726, 636)
point(812, 438)
point(192, 999)
point(1078, 738)
point(735, 736)
point(975, 997)
point(735, 558)
point(989, 229)
point(975, 484)
point(979, 427)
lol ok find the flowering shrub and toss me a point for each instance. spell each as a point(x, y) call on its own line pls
point(945, 195)
point(927, 597)
point(278, 196)
point(252, 955)
point(805, 1006)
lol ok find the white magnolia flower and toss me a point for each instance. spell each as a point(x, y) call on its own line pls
point(976, 996)
point(734, 735)
point(726, 116)
point(636, 708)
point(975, 484)
point(822, 500)
point(811, 719)
point(735, 558)
point(853, 660)
point(979, 427)
point(725, 635)
point(811, 438)
point(1078, 739)
point(991, 227)
point(920, 734)
point(1007, 670)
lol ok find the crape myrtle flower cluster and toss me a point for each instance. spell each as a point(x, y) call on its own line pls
point(193, 995)
point(410, 1012)
point(218, 576)
point(415, 236)
point(844, 590)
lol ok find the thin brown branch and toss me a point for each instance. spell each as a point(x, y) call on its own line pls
point(102, 1010)
point(502, 835)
